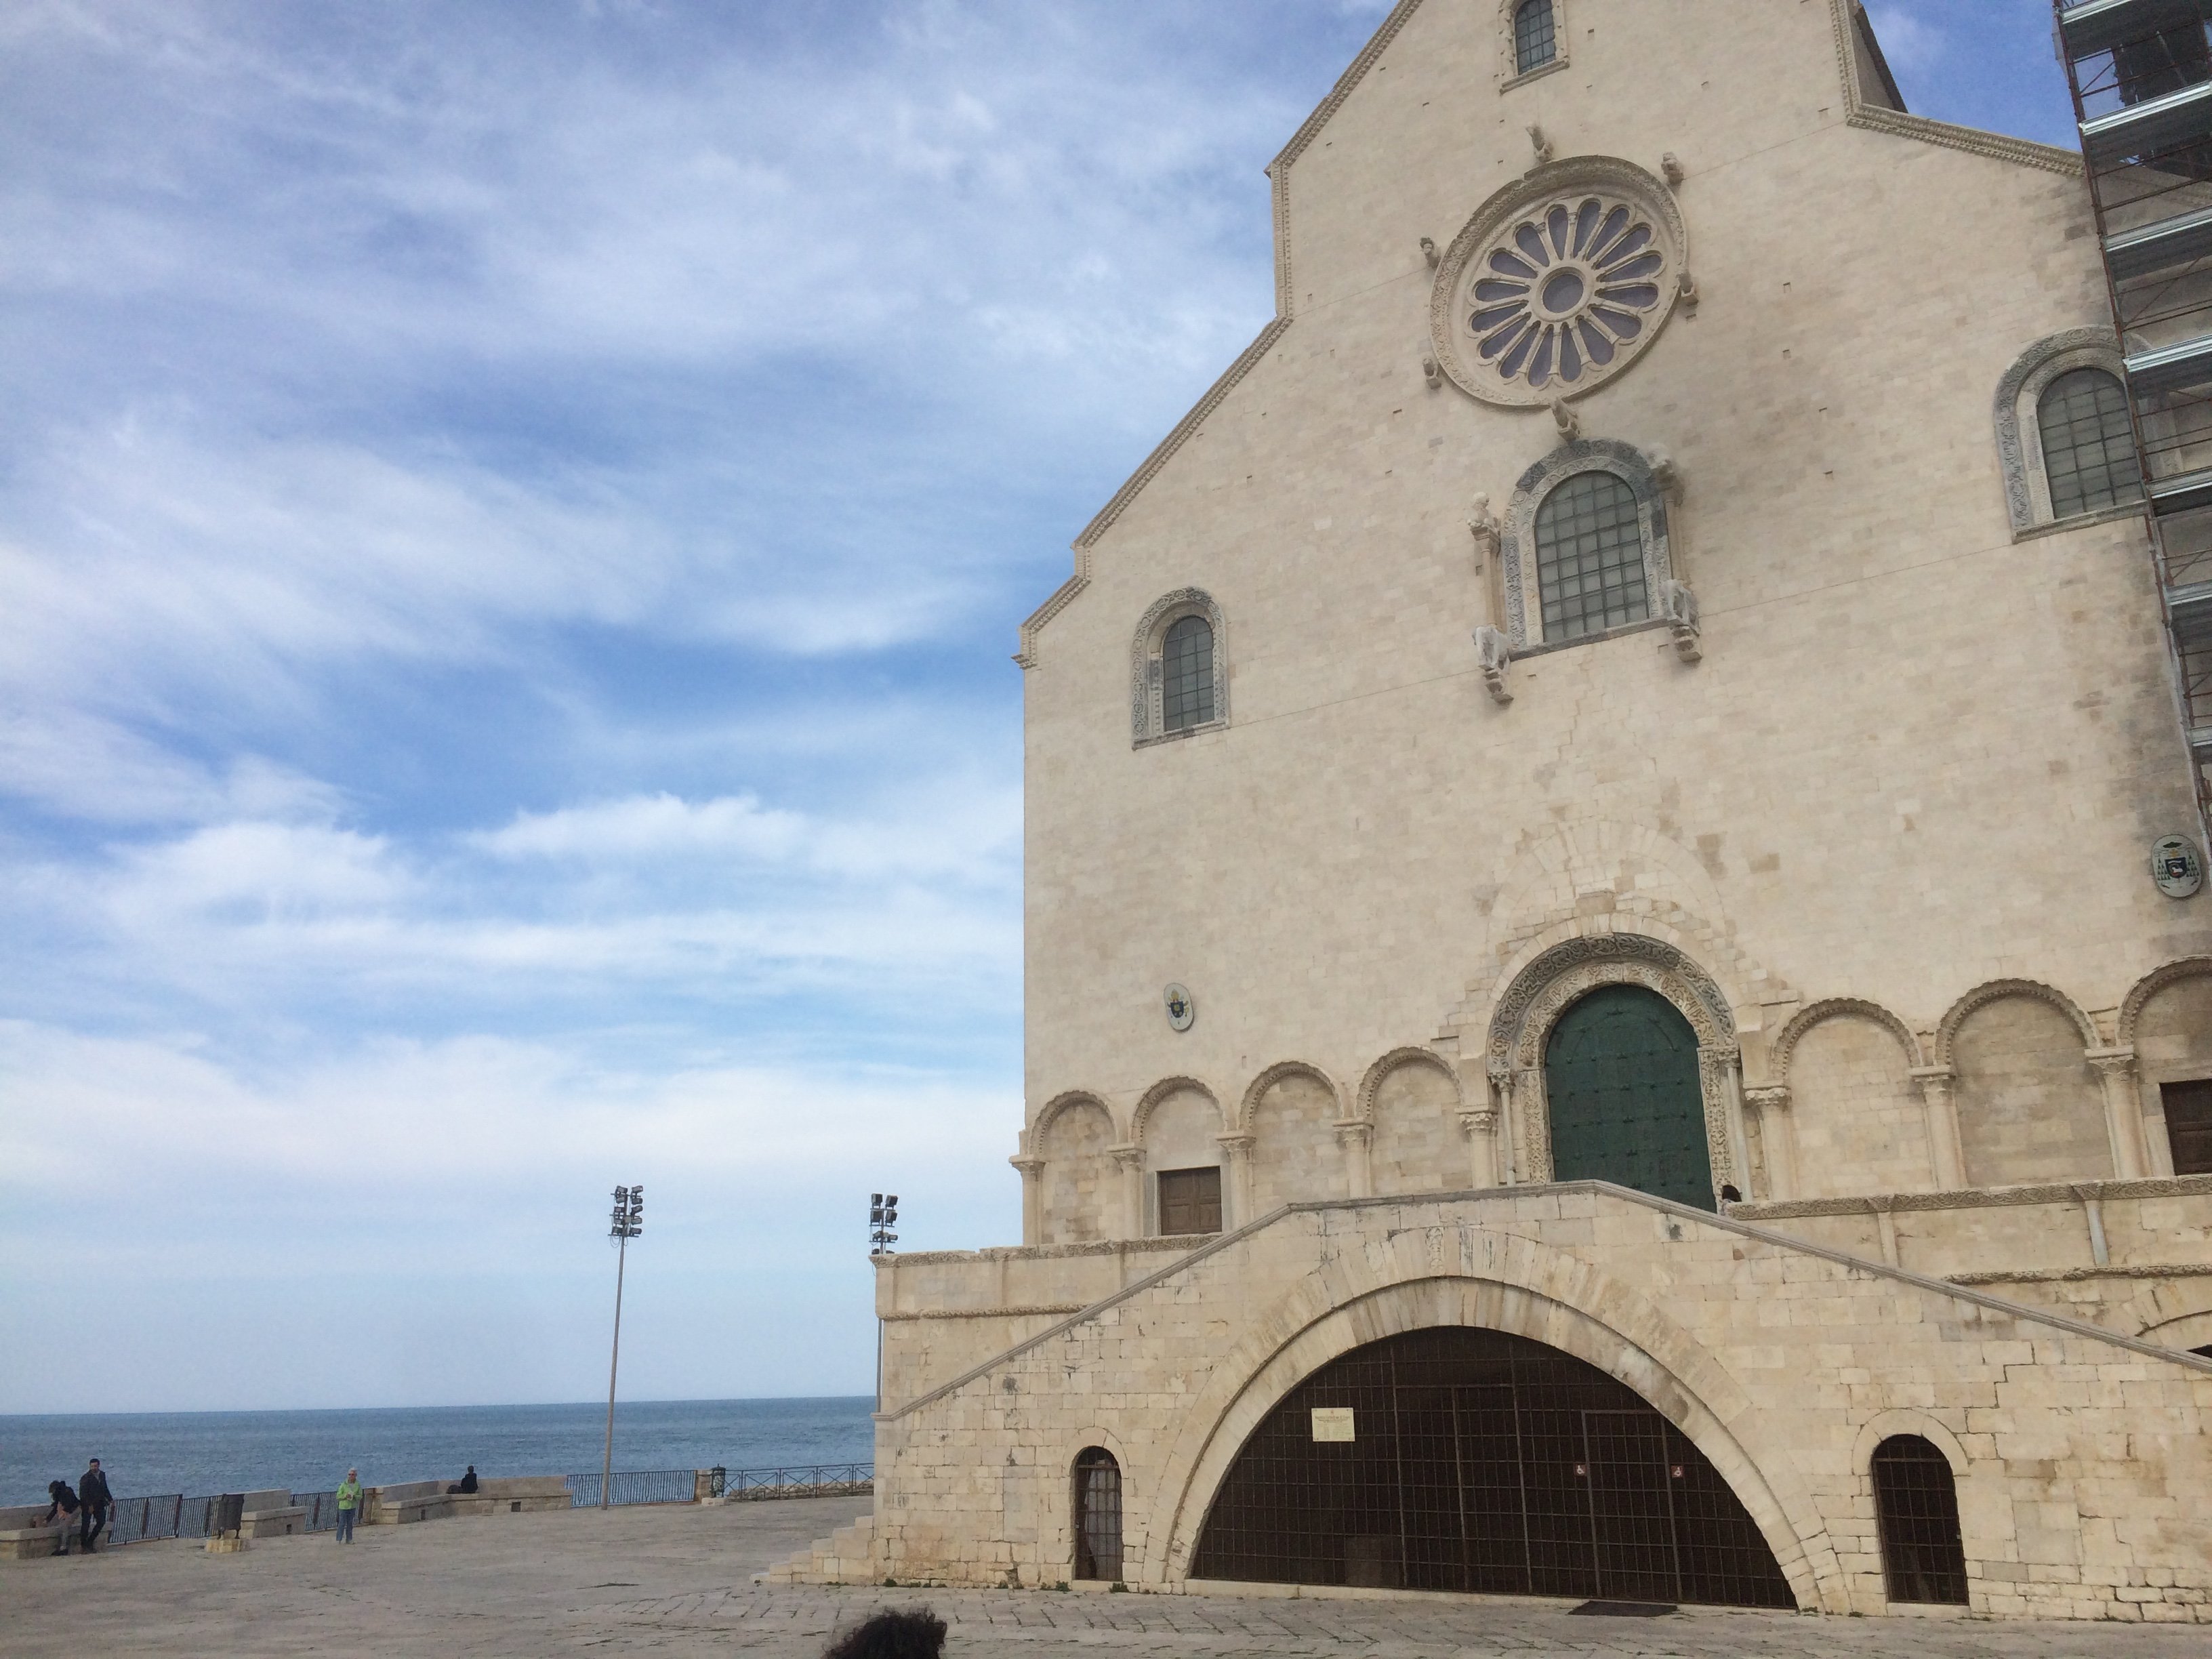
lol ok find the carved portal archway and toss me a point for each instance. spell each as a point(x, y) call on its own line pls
point(1560, 976)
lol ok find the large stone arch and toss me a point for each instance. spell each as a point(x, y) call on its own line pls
point(1560, 975)
point(1149, 1102)
point(2027, 1104)
point(1274, 1074)
point(1947, 1033)
point(1785, 1043)
point(1071, 1145)
point(1850, 1119)
point(1301, 1149)
point(2150, 985)
point(1465, 1276)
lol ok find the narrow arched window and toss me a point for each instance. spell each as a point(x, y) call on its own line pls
point(2088, 444)
point(1916, 1504)
point(1097, 1514)
point(1535, 37)
point(1187, 678)
point(1590, 558)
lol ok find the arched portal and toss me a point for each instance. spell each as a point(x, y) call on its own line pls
point(1620, 1073)
point(1461, 1459)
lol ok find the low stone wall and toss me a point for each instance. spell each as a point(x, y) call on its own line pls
point(2080, 1457)
point(412, 1501)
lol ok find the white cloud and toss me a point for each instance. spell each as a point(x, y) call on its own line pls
point(1909, 41)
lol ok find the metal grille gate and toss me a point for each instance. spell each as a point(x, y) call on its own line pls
point(1484, 1461)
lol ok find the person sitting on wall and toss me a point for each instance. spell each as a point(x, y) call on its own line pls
point(917, 1633)
point(64, 1509)
point(466, 1483)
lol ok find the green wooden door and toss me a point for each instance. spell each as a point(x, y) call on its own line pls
point(1621, 1071)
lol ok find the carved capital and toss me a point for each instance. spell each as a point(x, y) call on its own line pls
point(1237, 1146)
point(1027, 1165)
point(1774, 1097)
point(1354, 1132)
point(1128, 1157)
point(1933, 1081)
point(1478, 1123)
point(2115, 1065)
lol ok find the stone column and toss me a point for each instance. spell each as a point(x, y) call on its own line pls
point(1778, 1135)
point(1480, 1129)
point(1532, 1127)
point(1724, 1141)
point(1236, 1190)
point(1130, 1160)
point(2123, 1122)
point(1935, 1083)
point(1032, 1171)
point(1356, 1137)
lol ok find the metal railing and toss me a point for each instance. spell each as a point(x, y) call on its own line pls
point(635, 1486)
point(802, 1481)
point(322, 1508)
point(135, 1520)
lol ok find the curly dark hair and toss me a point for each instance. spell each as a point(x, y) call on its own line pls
point(917, 1633)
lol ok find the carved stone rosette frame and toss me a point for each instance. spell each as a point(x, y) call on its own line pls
point(1605, 177)
point(1543, 990)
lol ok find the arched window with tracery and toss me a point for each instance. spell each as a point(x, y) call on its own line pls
point(2088, 443)
point(1590, 573)
point(1178, 669)
point(1097, 1516)
point(1187, 675)
point(1535, 36)
point(1916, 1504)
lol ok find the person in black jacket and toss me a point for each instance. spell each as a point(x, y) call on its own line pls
point(92, 1495)
point(917, 1633)
point(467, 1483)
point(64, 1509)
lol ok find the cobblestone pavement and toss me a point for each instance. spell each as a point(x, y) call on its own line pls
point(679, 1581)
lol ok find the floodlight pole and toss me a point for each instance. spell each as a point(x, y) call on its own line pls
point(629, 1223)
point(883, 1216)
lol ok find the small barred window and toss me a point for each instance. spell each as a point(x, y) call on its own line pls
point(2088, 446)
point(1186, 684)
point(1535, 38)
point(1589, 558)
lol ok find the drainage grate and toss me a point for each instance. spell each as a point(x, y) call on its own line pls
point(1626, 1609)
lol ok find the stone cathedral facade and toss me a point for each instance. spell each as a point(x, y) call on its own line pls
point(1616, 999)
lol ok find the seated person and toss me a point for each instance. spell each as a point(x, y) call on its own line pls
point(467, 1482)
point(64, 1509)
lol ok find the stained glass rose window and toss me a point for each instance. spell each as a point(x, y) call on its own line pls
point(1561, 294)
point(1558, 283)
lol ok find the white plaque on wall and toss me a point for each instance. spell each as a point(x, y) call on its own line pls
point(2175, 866)
point(1332, 1423)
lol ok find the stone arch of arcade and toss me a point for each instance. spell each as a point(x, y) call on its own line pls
point(1502, 1283)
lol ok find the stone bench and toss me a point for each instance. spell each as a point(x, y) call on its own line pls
point(428, 1500)
point(25, 1537)
point(271, 1515)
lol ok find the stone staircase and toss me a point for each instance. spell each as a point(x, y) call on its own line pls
point(846, 1557)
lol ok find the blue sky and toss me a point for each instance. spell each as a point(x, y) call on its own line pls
point(512, 524)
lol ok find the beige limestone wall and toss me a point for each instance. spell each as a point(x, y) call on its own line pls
point(2029, 1107)
point(1082, 1192)
point(2081, 1458)
point(1916, 756)
point(1860, 1124)
point(1418, 1146)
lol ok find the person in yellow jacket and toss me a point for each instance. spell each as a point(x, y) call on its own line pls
point(349, 1504)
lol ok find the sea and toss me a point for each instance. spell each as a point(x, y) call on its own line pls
point(150, 1454)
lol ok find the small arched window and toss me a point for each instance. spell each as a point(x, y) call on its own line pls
point(1535, 36)
point(1097, 1516)
point(2088, 443)
point(1187, 675)
point(1589, 558)
point(1178, 669)
point(1915, 1503)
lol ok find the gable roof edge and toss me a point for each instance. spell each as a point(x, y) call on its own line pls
point(1873, 118)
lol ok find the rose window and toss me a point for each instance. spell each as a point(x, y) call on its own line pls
point(1562, 294)
point(1558, 281)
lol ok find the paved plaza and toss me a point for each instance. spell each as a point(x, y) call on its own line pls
point(680, 1581)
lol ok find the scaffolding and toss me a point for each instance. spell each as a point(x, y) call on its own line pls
point(2140, 71)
